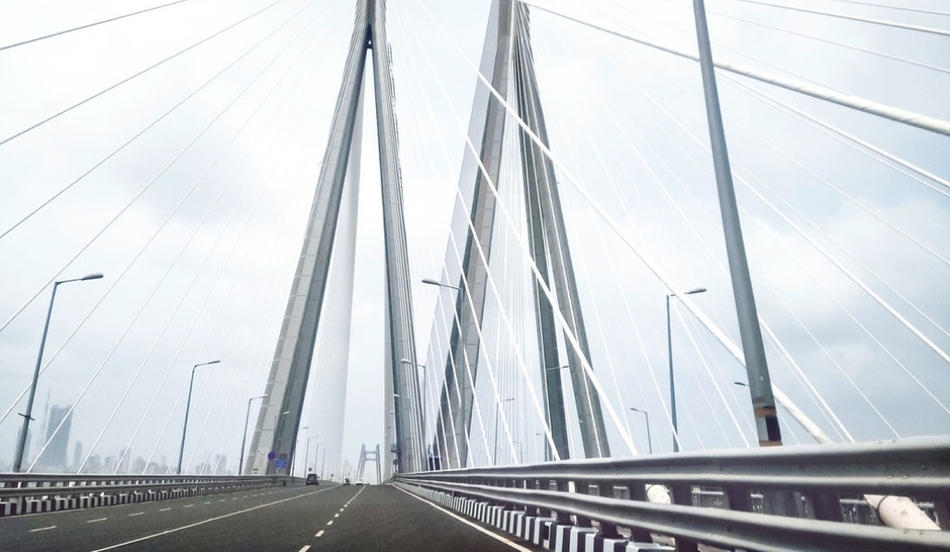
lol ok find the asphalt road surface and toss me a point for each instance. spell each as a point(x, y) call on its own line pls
point(291, 519)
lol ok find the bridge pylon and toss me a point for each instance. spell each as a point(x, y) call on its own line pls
point(274, 439)
point(369, 456)
point(507, 57)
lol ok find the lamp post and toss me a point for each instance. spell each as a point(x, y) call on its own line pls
point(21, 442)
point(306, 458)
point(244, 436)
point(497, 415)
point(184, 429)
point(293, 459)
point(548, 413)
point(669, 350)
point(647, 416)
point(447, 446)
point(432, 282)
point(423, 393)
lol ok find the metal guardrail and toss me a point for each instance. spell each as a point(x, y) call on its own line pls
point(35, 493)
point(805, 484)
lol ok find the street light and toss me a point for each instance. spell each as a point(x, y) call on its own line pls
point(497, 415)
point(669, 350)
point(244, 437)
point(432, 282)
point(323, 464)
point(21, 442)
point(277, 418)
point(423, 393)
point(647, 416)
point(293, 459)
point(306, 457)
point(184, 429)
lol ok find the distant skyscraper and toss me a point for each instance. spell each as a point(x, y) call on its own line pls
point(220, 464)
point(94, 465)
point(77, 456)
point(26, 446)
point(54, 458)
point(124, 460)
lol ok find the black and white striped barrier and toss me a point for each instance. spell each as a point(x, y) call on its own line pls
point(541, 531)
point(36, 499)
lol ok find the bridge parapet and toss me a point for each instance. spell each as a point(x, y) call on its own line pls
point(790, 498)
point(36, 493)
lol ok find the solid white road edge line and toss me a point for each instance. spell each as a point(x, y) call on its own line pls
point(209, 520)
point(514, 545)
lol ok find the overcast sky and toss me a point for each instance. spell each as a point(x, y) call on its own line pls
point(197, 223)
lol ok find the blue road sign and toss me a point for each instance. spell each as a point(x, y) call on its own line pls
point(271, 455)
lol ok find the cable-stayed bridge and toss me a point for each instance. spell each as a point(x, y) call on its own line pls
point(660, 235)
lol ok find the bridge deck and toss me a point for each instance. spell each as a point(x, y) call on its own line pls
point(284, 519)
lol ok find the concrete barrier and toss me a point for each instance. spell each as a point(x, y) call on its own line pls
point(546, 532)
point(33, 494)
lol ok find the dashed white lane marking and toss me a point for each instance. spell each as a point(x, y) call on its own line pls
point(222, 500)
point(305, 548)
point(53, 527)
point(319, 534)
point(466, 522)
point(136, 514)
point(330, 522)
point(209, 520)
point(208, 502)
point(336, 515)
point(164, 509)
point(188, 505)
point(96, 520)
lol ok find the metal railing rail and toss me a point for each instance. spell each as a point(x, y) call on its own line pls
point(59, 492)
point(812, 479)
point(35, 479)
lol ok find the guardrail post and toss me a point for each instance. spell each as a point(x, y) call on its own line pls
point(683, 495)
point(523, 484)
point(826, 506)
point(607, 530)
point(943, 513)
point(563, 487)
point(638, 492)
point(582, 487)
point(739, 498)
point(530, 484)
point(782, 503)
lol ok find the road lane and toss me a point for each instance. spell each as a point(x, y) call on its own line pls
point(291, 519)
point(94, 528)
point(385, 519)
point(286, 524)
